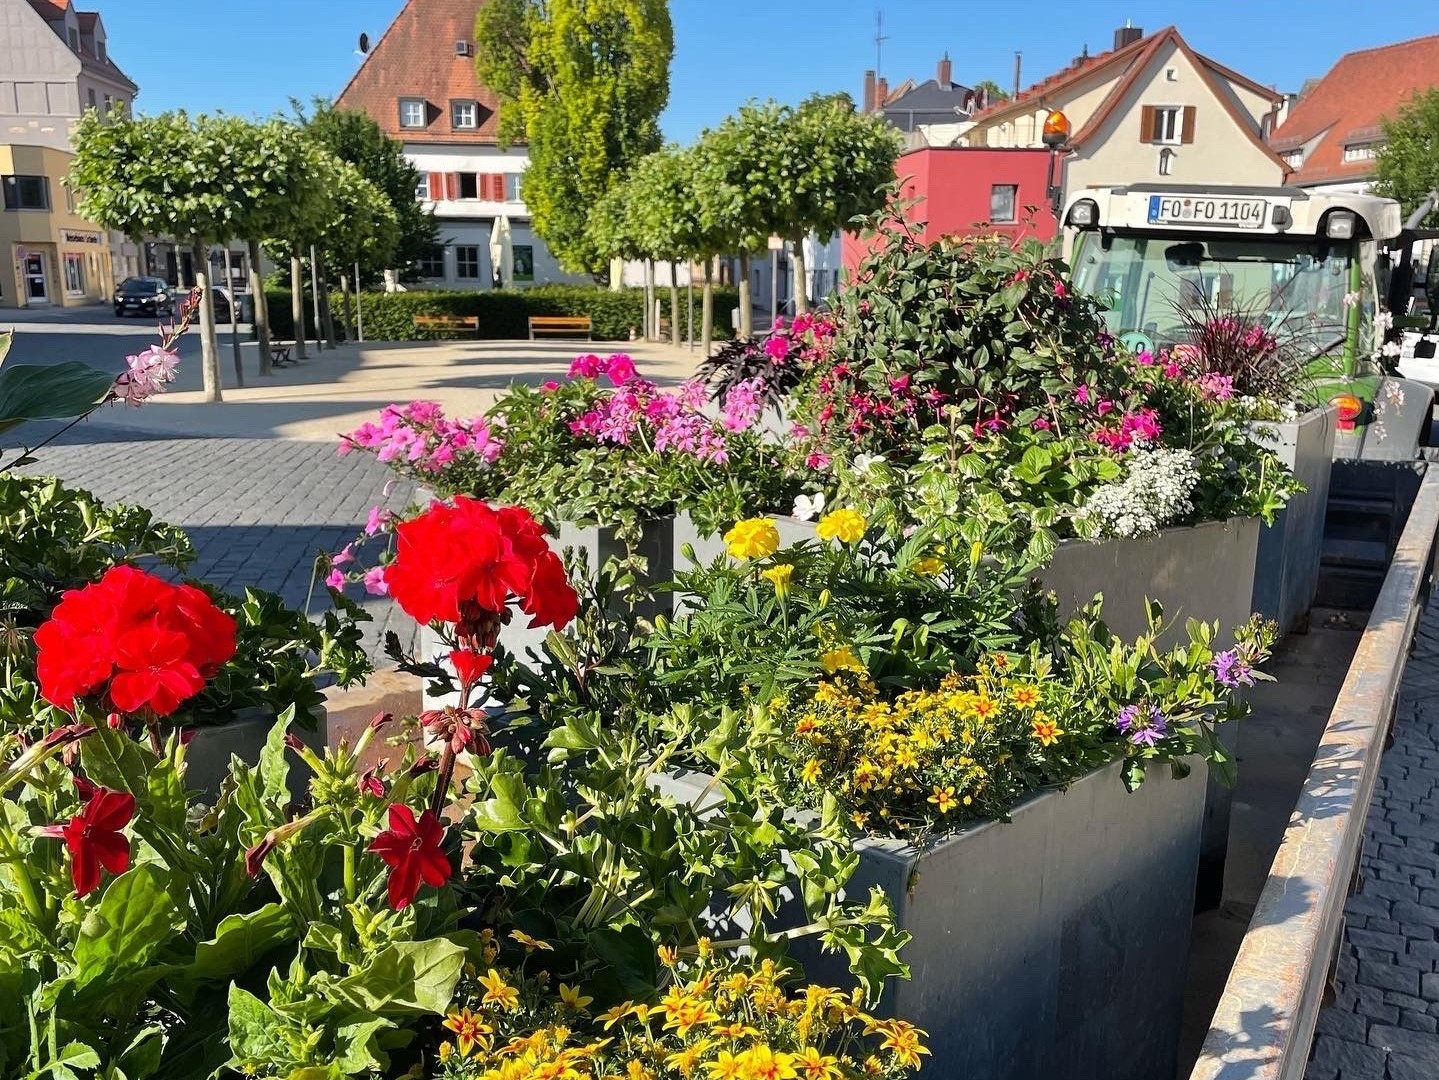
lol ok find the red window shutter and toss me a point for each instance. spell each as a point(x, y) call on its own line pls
point(1187, 132)
point(452, 185)
point(486, 186)
point(497, 187)
point(437, 185)
point(1146, 123)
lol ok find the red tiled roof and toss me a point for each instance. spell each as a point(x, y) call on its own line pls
point(1348, 104)
point(1083, 68)
point(415, 58)
point(50, 9)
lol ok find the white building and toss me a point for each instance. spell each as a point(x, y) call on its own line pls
point(419, 85)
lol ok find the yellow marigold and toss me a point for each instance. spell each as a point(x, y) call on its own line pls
point(816, 1066)
point(704, 948)
point(841, 659)
point(779, 576)
point(929, 566)
point(845, 525)
point(1026, 697)
point(498, 992)
point(810, 773)
point(686, 1061)
point(752, 538)
point(1046, 730)
point(944, 799)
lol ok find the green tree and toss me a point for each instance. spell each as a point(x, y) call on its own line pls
point(582, 82)
point(355, 137)
point(172, 175)
point(665, 215)
point(992, 90)
point(1408, 164)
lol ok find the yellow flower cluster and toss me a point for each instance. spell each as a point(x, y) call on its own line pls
point(717, 1021)
point(929, 757)
point(752, 538)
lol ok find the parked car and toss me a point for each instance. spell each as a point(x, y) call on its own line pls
point(144, 296)
point(221, 297)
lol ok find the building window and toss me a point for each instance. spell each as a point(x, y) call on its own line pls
point(26, 192)
point(1166, 161)
point(412, 112)
point(75, 275)
point(469, 185)
point(1171, 74)
point(432, 263)
point(1002, 199)
point(109, 102)
point(90, 97)
point(467, 262)
point(512, 187)
point(524, 262)
point(1294, 158)
point(464, 114)
point(422, 189)
point(1168, 121)
point(1361, 152)
point(74, 37)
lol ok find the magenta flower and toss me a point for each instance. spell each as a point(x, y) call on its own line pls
point(375, 583)
point(549, 386)
point(1145, 358)
point(1143, 727)
point(776, 347)
point(1039, 423)
point(620, 369)
point(335, 579)
point(1081, 394)
point(587, 366)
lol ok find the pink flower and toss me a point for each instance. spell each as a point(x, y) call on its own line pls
point(1145, 358)
point(377, 520)
point(1081, 394)
point(1104, 408)
point(549, 386)
point(776, 347)
point(1172, 370)
point(1040, 424)
point(1060, 292)
point(335, 579)
point(817, 461)
point(340, 558)
point(375, 583)
point(620, 369)
point(587, 366)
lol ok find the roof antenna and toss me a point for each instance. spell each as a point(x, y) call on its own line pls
point(879, 39)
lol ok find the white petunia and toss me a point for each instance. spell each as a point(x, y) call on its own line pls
point(809, 507)
point(865, 462)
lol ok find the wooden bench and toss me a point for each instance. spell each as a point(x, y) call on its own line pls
point(449, 324)
point(568, 325)
point(280, 353)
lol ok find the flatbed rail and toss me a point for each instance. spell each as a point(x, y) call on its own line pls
point(1264, 1024)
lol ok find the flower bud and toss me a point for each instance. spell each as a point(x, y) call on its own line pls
point(115, 721)
point(380, 720)
point(294, 742)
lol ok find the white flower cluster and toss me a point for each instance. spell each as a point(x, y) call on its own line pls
point(1156, 490)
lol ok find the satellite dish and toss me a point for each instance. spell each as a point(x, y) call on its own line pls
point(364, 44)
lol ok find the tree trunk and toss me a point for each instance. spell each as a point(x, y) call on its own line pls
point(652, 332)
point(209, 343)
point(262, 309)
point(315, 300)
point(674, 304)
point(297, 302)
point(746, 310)
point(345, 313)
point(799, 285)
point(326, 319)
point(707, 310)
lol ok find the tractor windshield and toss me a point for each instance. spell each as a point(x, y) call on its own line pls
point(1296, 286)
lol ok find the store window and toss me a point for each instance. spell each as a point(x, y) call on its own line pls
point(26, 192)
point(75, 275)
point(467, 262)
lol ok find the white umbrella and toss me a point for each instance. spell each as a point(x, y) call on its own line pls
point(502, 251)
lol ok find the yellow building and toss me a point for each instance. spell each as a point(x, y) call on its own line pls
point(52, 256)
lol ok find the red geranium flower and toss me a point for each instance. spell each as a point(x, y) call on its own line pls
point(153, 643)
point(469, 554)
point(411, 849)
point(94, 838)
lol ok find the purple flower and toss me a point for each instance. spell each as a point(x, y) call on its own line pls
point(1230, 670)
point(1143, 727)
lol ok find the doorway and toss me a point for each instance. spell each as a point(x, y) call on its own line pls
point(37, 288)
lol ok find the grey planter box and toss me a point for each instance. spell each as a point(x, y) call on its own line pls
point(207, 758)
point(1052, 945)
point(1286, 577)
point(657, 546)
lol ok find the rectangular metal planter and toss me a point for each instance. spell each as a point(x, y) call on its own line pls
point(1286, 576)
point(207, 757)
point(1051, 945)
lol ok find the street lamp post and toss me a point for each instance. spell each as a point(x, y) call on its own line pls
point(1056, 136)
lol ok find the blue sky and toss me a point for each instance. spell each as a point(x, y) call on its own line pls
point(259, 53)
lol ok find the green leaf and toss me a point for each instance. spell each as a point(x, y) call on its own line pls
point(134, 917)
point(50, 391)
point(240, 941)
point(406, 977)
point(501, 812)
point(274, 762)
point(255, 1030)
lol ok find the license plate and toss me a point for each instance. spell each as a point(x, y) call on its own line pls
point(1189, 210)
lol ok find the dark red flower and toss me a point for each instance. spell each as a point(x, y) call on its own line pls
point(470, 666)
point(94, 838)
point(411, 849)
point(148, 643)
point(255, 856)
point(370, 782)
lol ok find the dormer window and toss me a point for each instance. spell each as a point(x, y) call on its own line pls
point(462, 48)
point(464, 115)
point(412, 112)
point(100, 50)
point(73, 36)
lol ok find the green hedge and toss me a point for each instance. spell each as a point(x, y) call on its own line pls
point(505, 314)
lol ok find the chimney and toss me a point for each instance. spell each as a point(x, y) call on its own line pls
point(881, 92)
point(869, 91)
point(1127, 35)
point(945, 76)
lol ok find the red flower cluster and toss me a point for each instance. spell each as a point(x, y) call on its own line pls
point(153, 643)
point(412, 850)
point(469, 554)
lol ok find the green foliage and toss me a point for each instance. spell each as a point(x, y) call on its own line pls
point(49, 391)
point(1408, 163)
point(356, 138)
point(583, 83)
point(503, 313)
point(657, 212)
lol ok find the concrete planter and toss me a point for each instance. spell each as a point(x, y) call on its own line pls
point(207, 757)
point(657, 546)
point(1286, 577)
point(1050, 945)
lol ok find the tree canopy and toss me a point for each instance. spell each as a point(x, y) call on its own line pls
point(1408, 164)
point(582, 82)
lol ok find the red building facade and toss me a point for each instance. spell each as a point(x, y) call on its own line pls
point(972, 190)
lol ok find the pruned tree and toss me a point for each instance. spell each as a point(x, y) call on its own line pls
point(583, 83)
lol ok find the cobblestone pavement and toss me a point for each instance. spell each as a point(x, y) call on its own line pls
point(1384, 1023)
point(258, 510)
